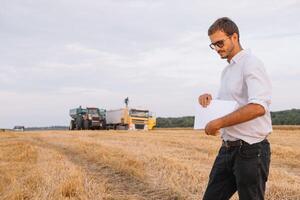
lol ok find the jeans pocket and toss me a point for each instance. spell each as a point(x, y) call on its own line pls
point(249, 151)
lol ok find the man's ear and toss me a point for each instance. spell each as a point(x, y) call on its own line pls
point(235, 37)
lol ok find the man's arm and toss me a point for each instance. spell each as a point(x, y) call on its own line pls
point(243, 114)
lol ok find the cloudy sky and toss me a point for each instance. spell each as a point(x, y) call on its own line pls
point(58, 54)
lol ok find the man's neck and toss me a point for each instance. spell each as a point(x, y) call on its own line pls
point(234, 52)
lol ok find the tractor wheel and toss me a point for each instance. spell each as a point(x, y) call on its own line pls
point(86, 125)
point(79, 123)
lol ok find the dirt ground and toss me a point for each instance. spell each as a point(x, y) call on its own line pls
point(122, 165)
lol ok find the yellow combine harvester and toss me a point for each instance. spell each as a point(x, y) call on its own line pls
point(129, 119)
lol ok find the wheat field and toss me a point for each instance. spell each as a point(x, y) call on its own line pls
point(166, 164)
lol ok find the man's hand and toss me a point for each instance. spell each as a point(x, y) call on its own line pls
point(204, 100)
point(213, 127)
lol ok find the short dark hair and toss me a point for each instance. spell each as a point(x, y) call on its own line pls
point(226, 25)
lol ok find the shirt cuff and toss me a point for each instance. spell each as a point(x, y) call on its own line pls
point(260, 102)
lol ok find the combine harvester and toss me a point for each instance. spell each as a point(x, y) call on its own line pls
point(129, 119)
point(87, 118)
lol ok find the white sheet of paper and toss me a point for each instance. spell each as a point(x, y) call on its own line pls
point(216, 109)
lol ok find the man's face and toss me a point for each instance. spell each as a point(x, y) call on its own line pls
point(222, 43)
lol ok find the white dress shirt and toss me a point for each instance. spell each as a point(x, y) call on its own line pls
point(245, 81)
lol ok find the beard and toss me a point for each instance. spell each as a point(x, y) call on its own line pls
point(225, 53)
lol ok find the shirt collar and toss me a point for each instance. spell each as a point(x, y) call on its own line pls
point(240, 55)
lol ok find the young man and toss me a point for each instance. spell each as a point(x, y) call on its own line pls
point(242, 163)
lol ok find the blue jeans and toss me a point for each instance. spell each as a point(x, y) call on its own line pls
point(242, 168)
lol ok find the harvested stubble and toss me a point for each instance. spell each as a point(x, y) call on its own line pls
point(161, 164)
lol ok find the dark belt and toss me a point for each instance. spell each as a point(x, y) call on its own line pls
point(236, 143)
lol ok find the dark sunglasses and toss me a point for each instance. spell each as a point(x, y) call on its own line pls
point(218, 44)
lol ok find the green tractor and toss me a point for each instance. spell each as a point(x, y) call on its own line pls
point(89, 118)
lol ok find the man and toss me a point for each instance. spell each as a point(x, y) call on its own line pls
point(242, 163)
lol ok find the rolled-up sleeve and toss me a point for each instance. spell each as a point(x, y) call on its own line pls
point(258, 84)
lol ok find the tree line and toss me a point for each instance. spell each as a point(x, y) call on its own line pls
point(286, 117)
